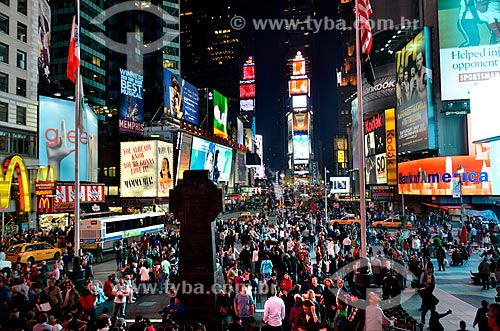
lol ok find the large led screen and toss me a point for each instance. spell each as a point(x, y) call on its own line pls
point(391, 148)
point(240, 133)
point(290, 133)
point(247, 91)
point(220, 114)
point(248, 72)
point(223, 161)
point(57, 139)
point(468, 40)
point(131, 102)
point(181, 99)
point(340, 185)
point(415, 112)
point(300, 146)
point(484, 110)
point(300, 122)
point(248, 139)
point(186, 141)
point(247, 106)
point(435, 176)
point(146, 168)
point(299, 101)
point(299, 68)
point(241, 174)
point(298, 86)
point(495, 166)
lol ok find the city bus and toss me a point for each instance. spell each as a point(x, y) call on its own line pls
point(107, 230)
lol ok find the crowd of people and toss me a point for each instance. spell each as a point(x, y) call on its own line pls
point(308, 275)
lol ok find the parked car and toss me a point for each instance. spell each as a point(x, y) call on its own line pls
point(246, 216)
point(32, 252)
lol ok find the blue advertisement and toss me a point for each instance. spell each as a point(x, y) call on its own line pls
point(202, 155)
point(131, 102)
point(300, 146)
point(57, 139)
point(180, 98)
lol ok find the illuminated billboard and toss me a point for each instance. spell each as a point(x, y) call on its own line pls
point(340, 185)
point(241, 169)
point(298, 86)
point(247, 91)
point(301, 169)
point(299, 101)
point(300, 122)
point(131, 102)
point(468, 36)
point(495, 167)
point(240, 133)
point(146, 168)
point(248, 139)
point(44, 20)
point(220, 114)
point(299, 68)
point(57, 138)
point(290, 133)
point(390, 146)
point(484, 114)
point(300, 146)
point(415, 111)
point(181, 99)
point(184, 160)
point(248, 71)
point(435, 176)
point(247, 106)
point(223, 161)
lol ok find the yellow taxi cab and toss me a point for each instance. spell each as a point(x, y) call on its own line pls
point(32, 252)
point(246, 216)
point(391, 222)
point(346, 220)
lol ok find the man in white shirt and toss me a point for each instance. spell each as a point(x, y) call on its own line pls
point(274, 312)
point(121, 292)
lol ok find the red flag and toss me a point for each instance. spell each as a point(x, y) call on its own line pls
point(74, 46)
point(365, 10)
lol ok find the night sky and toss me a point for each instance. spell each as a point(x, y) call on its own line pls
point(271, 85)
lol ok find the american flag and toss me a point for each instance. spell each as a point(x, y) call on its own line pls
point(74, 45)
point(365, 10)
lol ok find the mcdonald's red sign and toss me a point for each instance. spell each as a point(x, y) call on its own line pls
point(45, 204)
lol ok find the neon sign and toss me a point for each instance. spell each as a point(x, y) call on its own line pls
point(9, 165)
point(422, 177)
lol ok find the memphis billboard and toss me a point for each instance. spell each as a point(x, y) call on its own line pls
point(181, 99)
point(57, 139)
point(469, 32)
point(415, 109)
point(131, 102)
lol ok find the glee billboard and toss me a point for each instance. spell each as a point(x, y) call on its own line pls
point(436, 176)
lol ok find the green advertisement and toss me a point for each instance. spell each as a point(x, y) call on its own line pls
point(220, 114)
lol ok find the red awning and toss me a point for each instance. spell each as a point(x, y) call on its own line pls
point(446, 207)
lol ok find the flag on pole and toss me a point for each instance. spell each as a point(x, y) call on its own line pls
point(365, 11)
point(74, 46)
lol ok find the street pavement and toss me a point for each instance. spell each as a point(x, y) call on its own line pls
point(454, 290)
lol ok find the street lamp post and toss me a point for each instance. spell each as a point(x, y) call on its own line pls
point(326, 198)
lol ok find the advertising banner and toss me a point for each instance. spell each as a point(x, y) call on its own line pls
point(414, 112)
point(299, 67)
point(340, 185)
point(248, 71)
point(381, 94)
point(181, 99)
point(468, 39)
point(495, 166)
point(371, 170)
point(65, 195)
point(247, 91)
point(57, 138)
point(355, 138)
point(165, 153)
point(248, 139)
point(301, 146)
point(300, 122)
point(222, 163)
point(184, 155)
point(220, 114)
point(131, 102)
point(484, 115)
point(247, 107)
point(290, 133)
point(44, 20)
point(138, 169)
point(435, 176)
point(298, 86)
point(381, 168)
point(241, 168)
point(382, 193)
point(301, 169)
point(299, 102)
point(390, 143)
point(240, 133)
point(259, 147)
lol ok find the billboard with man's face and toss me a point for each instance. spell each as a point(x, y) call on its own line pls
point(181, 99)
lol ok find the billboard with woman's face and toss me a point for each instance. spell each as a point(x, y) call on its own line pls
point(203, 155)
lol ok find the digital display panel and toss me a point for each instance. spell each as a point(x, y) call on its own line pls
point(299, 101)
point(131, 102)
point(57, 137)
point(299, 68)
point(248, 72)
point(298, 86)
point(484, 116)
point(300, 146)
point(181, 99)
point(220, 114)
point(184, 155)
point(165, 170)
point(222, 163)
point(247, 91)
point(415, 111)
point(241, 167)
point(340, 185)
point(247, 106)
point(468, 40)
point(300, 122)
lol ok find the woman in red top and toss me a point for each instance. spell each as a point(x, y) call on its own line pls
point(286, 284)
point(87, 300)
